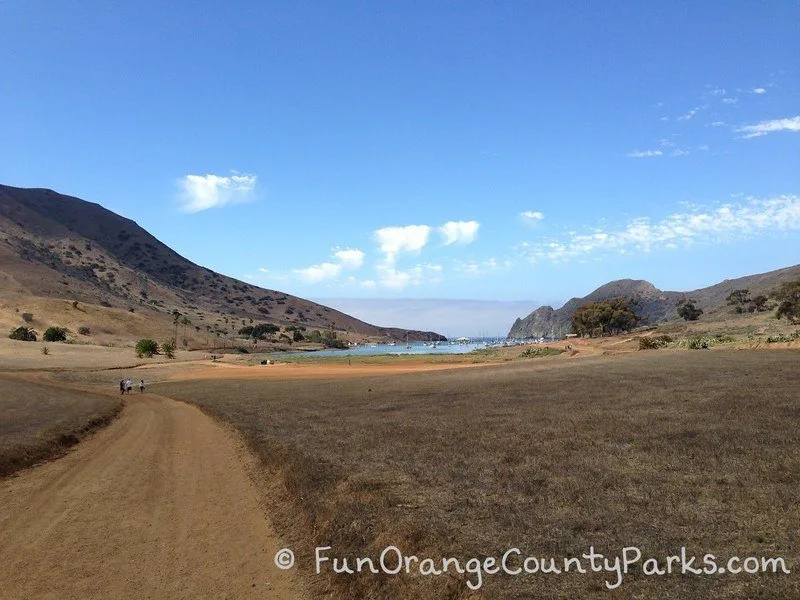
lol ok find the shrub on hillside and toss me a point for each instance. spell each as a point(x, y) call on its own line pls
point(23, 334)
point(688, 309)
point(168, 348)
point(84, 330)
point(55, 334)
point(27, 317)
point(147, 348)
point(650, 343)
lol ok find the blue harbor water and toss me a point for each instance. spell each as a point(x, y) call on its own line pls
point(398, 349)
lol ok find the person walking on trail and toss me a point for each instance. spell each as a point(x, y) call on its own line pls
point(121, 386)
point(141, 386)
point(129, 386)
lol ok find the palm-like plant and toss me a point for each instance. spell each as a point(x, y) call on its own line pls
point(23, 334)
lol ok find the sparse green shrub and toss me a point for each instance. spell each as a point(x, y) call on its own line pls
point(27, 317)
point(648, 343)
point(653, 343)
point(538, 352)
point(784, 337)
point(242, 350)
point(147, 348)
point(168, 348)
point(696, 344)
point(55, 334)
point(84, 330)
point(23, 334)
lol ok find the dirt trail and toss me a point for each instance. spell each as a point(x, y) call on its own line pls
point(157, 505)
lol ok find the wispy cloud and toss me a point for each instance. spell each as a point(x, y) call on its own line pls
point(201, 192)
point(726, 223)
point(730, 100)
point(531, 216)
point(759, 91)
point(645, 153)
point(765, 127)
point(690, 114)
point(459, 232)
point(483, 267)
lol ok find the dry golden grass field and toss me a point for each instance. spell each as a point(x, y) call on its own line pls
point(39, 422)
point(657, 450)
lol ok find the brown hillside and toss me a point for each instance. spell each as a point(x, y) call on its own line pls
point(60, 247)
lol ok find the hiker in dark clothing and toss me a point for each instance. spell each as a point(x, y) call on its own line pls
point(121, 386)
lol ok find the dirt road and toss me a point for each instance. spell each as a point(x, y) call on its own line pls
point(157, 505)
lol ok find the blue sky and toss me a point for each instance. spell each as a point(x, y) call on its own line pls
point(487, 151)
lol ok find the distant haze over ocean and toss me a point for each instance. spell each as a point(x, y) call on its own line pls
point(452, 318)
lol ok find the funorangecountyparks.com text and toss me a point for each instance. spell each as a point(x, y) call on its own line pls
point(514, 562)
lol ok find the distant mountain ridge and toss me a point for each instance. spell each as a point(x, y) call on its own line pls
point(654, 305)
point(58, 246)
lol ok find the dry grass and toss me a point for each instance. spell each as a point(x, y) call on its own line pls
point(40, 422)
point(656, 450)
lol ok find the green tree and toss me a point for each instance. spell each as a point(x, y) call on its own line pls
point(146, 347)
point(688, 309)
point(758, 303)
point(55, 334)
point(605, 317)
point(23, 334)
point(176, 318)
point(738, 299)
point(185, 321)
point(788, 296)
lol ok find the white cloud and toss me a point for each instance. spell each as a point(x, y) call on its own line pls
point(689, 114)
point(349, 258)
point(759, 91)
point(765, 127)
point(729, 100)
point(317, 273)
point(679, 152)
point(459, 232)
point(394, 240)
point(368, 283)
point(532, 215)
point(645, 153)
point(723, 224)
point(247, 276)
point(201, 192)
point(717, 124)
point(474, 267)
